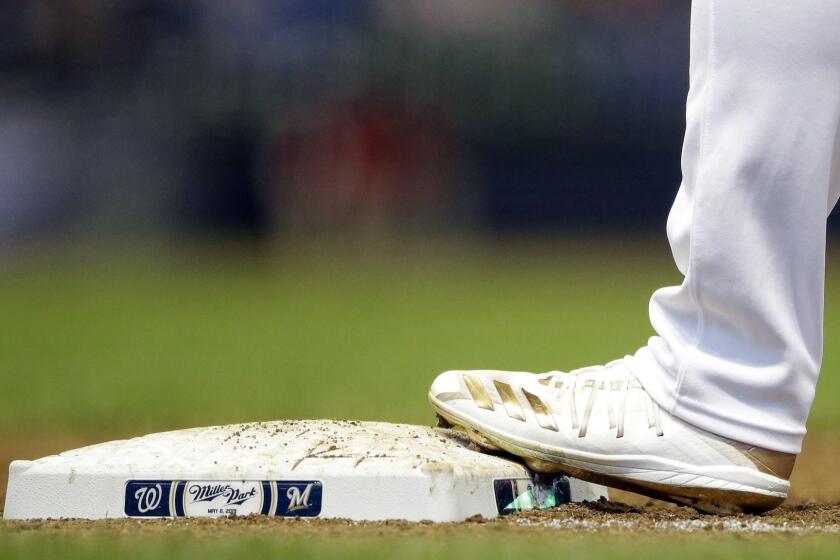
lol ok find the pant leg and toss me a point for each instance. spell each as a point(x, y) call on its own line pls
point(739, 343)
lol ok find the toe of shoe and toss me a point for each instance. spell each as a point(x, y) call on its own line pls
point(447, 383)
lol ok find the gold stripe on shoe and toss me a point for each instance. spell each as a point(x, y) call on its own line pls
point(479, 393)
point(512, 406)
point(541, 411)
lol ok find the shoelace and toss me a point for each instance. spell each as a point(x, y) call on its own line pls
point(600, 380)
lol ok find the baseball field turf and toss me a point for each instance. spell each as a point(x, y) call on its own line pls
point(106, 342)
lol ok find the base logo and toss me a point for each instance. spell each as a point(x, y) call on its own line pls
point(148, 499)
point(222, 498)
point(296, 499)
point(521, 494)
point(208, 498)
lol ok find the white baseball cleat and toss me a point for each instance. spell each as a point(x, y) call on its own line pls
point(600, 425)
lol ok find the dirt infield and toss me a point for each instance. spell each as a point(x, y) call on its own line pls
point(814, 506)
point(591, 517)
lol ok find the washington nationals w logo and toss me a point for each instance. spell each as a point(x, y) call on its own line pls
point(148, 498)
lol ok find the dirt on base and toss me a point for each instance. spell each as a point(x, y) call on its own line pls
point(814, 506)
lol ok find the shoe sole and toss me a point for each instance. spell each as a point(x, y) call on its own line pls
point(556, 460)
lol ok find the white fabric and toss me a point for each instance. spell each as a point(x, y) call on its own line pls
point(740, 341)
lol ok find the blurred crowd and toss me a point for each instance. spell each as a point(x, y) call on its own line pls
point(353, 117)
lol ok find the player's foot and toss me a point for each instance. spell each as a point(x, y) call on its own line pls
point(598, 424)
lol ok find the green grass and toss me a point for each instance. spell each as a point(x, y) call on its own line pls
point(130, 341)
point(121, 342)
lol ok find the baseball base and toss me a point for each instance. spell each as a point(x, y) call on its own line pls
point(362, 471)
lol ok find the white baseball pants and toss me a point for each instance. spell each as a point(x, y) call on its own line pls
point(739, 343)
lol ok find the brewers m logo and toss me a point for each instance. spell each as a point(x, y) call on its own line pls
point(299, 500)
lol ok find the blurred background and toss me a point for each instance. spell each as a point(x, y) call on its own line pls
point(224, 211)
point(366, 117)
